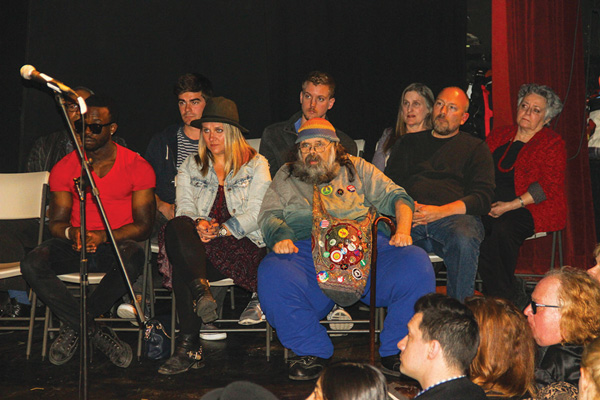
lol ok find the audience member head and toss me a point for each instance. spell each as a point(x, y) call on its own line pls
point(414, 113)
point(553, 105)
point(416, 105)
point(240, 390)
point(317, 95)
point(318, 154)
point(450, 112)
point(195, 83)
point(100, 123)
point(350, 381)
point(442, 340)
point(596, 254)
point(221, 136)
point(192, 91)
point(72, 106)
point(589, 383)
point(505, 360)
point(564, 308)
point(100, 101)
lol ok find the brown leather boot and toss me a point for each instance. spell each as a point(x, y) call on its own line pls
point(205, 305)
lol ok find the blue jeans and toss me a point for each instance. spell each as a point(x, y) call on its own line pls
point(294, 304)
point(456, 239)
point(54, 257)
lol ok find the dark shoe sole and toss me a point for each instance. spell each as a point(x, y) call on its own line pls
point(196, 365)
point(390, 372)
point(304, 378)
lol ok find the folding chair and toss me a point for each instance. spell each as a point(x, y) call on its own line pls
point(22, 196)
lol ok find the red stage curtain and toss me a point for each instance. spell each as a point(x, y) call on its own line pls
point(534, 41)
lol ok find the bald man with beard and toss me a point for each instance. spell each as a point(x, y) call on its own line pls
point(450, 174)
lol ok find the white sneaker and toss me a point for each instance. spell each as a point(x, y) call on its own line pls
point(252, 314)
point(128, 311)
point(211, 335)
point(337, 313)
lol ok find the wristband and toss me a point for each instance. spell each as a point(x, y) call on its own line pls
point(67, 231)
point(521, 201)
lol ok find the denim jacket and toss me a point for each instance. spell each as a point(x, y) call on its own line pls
point(244, 193)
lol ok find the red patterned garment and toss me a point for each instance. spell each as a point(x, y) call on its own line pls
point(543, 160)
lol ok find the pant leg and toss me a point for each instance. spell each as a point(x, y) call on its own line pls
point(457, 239)
point(500, 250)
point(113, 286)
point(404, 274)
point(293, 303)
point(40, 269)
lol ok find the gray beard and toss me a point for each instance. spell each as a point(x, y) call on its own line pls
point(441, 130)
point(315, 174)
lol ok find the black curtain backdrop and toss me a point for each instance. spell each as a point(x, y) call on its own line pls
point(255, 52)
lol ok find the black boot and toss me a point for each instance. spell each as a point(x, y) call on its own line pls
point(205, 305)
point(188, 354)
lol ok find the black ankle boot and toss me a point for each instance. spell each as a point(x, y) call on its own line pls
point(188, 354)
point(205, 305)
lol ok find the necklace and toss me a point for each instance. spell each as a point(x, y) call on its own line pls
point(505, 170)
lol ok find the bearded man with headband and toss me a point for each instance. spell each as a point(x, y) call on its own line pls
point(290, 288)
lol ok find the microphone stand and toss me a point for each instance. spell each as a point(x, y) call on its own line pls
point(81, 184)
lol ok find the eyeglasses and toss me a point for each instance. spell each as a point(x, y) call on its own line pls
point(318, 147)
point(535, 305)
point(96, 129)
point(72, 107)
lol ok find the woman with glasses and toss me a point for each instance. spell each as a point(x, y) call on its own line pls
point(215, 235)
point(530, 161)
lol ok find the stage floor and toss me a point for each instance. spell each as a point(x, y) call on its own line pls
point(240, 357)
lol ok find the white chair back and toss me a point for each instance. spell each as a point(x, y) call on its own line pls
point(22, 195)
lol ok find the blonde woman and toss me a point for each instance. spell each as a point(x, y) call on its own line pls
point(219, 194)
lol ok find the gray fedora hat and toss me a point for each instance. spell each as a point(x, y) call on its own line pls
point(220, 109)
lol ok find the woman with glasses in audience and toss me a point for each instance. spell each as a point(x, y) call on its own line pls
point(530, 161)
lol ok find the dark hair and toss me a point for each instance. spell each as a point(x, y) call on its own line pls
point(104, 102)
point(453, 325)
point(352, 381)
point(193, 82)
point(341, 156)
point(320, 78)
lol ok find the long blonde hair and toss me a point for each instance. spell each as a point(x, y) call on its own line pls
point(237, 151)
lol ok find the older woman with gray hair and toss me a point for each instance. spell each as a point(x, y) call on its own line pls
point(530, 162)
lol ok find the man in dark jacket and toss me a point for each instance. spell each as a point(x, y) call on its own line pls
point(169, 148)
point(316, 98)
point(442, 341)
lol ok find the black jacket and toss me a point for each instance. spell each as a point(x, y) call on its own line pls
point(458, 389)
point(558, 363)
point(162, 155)
point(278, 139)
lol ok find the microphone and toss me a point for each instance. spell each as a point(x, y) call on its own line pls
point(31, 74)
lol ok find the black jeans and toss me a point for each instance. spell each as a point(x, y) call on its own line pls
point(56, 257)
point(499, 251)
point(187, 254)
